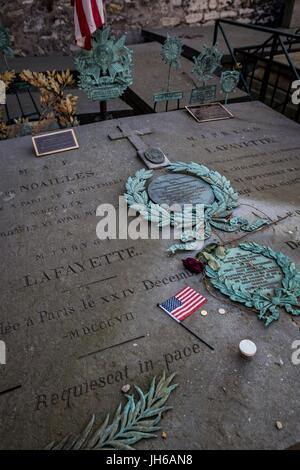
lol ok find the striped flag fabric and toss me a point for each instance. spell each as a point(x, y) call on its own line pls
point(88, 16)
point(183, 304)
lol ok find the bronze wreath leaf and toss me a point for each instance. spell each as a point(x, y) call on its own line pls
point(135, 421)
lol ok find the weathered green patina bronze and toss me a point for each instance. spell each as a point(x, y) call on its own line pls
point(106, 70)
point(206, 63)
point(229, 82)
point(5, 48)
point(168, 96)
point(170, 53)
point(256, 276)
point(217, 213)
point(204, 94)
point(135, 421)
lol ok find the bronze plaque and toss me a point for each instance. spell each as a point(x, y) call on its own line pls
point(209, 112)
point(154, 155)
point(54, 142)
point(180, 189)
point(204, 94)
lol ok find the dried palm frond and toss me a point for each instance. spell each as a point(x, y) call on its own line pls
point(3, 126)
point(3, 131)
point(48, 123)
point(7, 77)
point(52, 86)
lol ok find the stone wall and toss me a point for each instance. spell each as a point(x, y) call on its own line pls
point(46, 26)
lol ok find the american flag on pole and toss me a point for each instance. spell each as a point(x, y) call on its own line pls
point(183, 304)
point(88, 16)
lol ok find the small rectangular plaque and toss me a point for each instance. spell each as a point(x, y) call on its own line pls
point(104, 94)
point(54, 142)
point(209, 112)
point(203, 94)
point(168, 96)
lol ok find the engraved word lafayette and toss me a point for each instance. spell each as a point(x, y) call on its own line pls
point(73, 269)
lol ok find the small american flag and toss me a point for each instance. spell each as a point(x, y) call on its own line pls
point(88, 16)
point(183, 304)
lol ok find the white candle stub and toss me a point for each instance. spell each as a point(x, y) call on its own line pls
point(247, 348)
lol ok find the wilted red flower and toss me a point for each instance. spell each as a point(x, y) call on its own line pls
point(193, 265)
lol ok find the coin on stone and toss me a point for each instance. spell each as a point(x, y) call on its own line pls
point(204, 313)
point(222, 311)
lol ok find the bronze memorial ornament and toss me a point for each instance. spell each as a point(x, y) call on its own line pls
point(105, 71)
point(215, 193)
point(256, 276)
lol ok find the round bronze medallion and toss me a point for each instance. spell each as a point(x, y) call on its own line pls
point(154, 155)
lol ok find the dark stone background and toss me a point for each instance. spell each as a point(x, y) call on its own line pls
point(42, 27)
